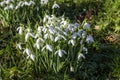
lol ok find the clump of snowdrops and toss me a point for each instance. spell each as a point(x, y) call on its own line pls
point(55, 44)
point(10, 4)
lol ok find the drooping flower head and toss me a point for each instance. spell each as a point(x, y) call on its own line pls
point(44, 2)
point(55, 5)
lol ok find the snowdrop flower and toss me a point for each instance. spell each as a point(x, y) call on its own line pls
point(20, 30)
point(58, 29)
point(11, 6)
point(28, 30)
point(63, 37)
point(6, 2)
point(27, 51)
point(37, 8)
point(51, 37)
point(2, 3)
point(72, 41)
point(84, 33)
point(23, 3)
point(71, 25)
point(85, 49)
point(39, 29)
point(65, 33)
point(37, 35)
point(69, 28)
point(46, 18)
point(60, 52)
point(76, 25)
point(44, 29)
point(87, 26)
point(43, 2)
point(40, 40)
point(37, 44)
point(71, 69)
point(74, 36)
point(63, 22)
point(81, 56)
point(59, 37)
point(48, 47)
point(28, 35)
point(51, 30)
point(19, 5)
point(89, 39)
point(28, 3)
point(46, 36)
point(55, 6)
point(29, 54)
point(32, 57)
point(79, 33)
point(19, 46)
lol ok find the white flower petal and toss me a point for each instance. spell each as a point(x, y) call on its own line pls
point(81, 56)
point(89, 39)
point(20, 30)
point(32, 57)
point(27, 36)
point(73, 42)
point(37, 45)
point(63, 37)
point(76, 25)
point(74, 36)
point(71, 69)
point(87, 26)
point(49, 47)
point(19, 46)
point(46, 36)
point(43, 48)
point(60, 53)
point(51, 38)
point(27, 51)
point(57, 38)
point(85, 49)
point(55, 6)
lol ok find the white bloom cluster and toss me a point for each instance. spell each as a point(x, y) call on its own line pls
point(10, 5)
point(24, 3)
point(55, 33)
point(6, 2)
